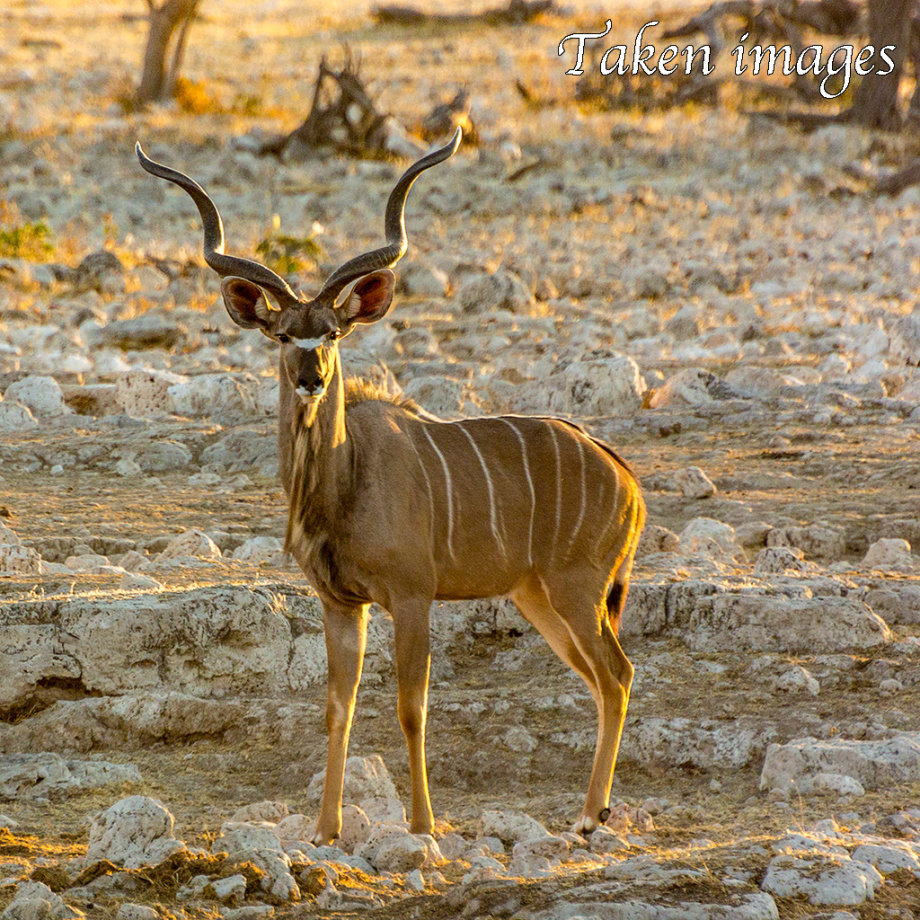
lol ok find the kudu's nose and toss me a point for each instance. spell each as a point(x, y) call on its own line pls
point(311, 384)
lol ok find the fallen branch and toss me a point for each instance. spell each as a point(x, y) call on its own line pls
point(897, 182)
point(515, 13)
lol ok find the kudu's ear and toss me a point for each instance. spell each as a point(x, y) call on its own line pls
point(370, 299)
point(247, 306)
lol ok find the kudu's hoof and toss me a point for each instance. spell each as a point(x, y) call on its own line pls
point(587, 825)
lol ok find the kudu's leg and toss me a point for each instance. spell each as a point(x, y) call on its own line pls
point(413, 660)
point(531, 600)
point(587, 621)
point(346, 637)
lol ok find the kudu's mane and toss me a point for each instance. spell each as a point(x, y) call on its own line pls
point(305, 520)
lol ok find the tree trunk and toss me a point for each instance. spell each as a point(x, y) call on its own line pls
point(876, 102)
point(156, 81)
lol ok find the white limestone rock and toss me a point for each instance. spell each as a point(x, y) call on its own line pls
point(16, 559)
point(41, 395)
point(759, 622)
point(889, 555)
point(712, 538)
point(134, 832)
point(874, 764)
point(15, 417)
point(482, 292)
point(692, 387)
point(367, 782)
point(823, 880)
point(191, 543)
point(680, 741)
point(890, 856)
point(36, 901)
point(214, 396)
point(692, 482)
point(818, 540)
point(144, 393)
point(610, 386)
point(260, 551)
point(29, 776)
point(512, 826)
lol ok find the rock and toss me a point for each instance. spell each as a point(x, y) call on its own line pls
point(393, 849)
point(897, 603)
point(778, 560)
point(134, 832)
point(728, 622)
point(228, 890)
point(41, 395)
point(798, 680)
point(442, 396)
point(604, 386)
point(146, 393)
point(904, 339)
point(29, 776)
point(272, 812)
point(356, 828)
point(889, 555)
point(694, 483)
point(692, 387)
point(890, 856)
point(481, 292)
point(658, 539)
point(819, 540)
point(19, 560)
point(519, 740)
point(260, 551)
point(241, 450)
point(366, 779)
point(420, 280)
point(218, 396)
point(162, 455)
point(711, 538)
point(257, 843)
point(131, 911)
point(512, 826)
point(876, 764)
point(191, 543)
point(680, 742)
point(36, 901)
point(97, 399)
point(604, 840)
point(128, 467)
point(15, 417)
point(212, 642)
point(823, 880)
point(752, 534)
point(147, 331)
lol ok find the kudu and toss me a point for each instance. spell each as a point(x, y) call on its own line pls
point(391, 505)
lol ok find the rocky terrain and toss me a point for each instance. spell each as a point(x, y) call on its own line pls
point(716, 295)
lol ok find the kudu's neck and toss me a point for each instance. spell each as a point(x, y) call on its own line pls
point(315, 456)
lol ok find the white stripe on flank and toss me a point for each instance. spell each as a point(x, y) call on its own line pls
point(421, 463)
point(533, 494)
point(581, 510)
point(450, 500)
point(493, 514)
point(552, 432)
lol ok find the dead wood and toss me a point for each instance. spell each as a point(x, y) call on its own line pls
point(897, 182)
point(343, 116)
point(158, 79)
point(445, 118)
point(515, 13)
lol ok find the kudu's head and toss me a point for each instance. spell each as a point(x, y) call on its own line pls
point(307, 330)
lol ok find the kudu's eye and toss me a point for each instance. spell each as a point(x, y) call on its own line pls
point(335, 335)
point(283, 338)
